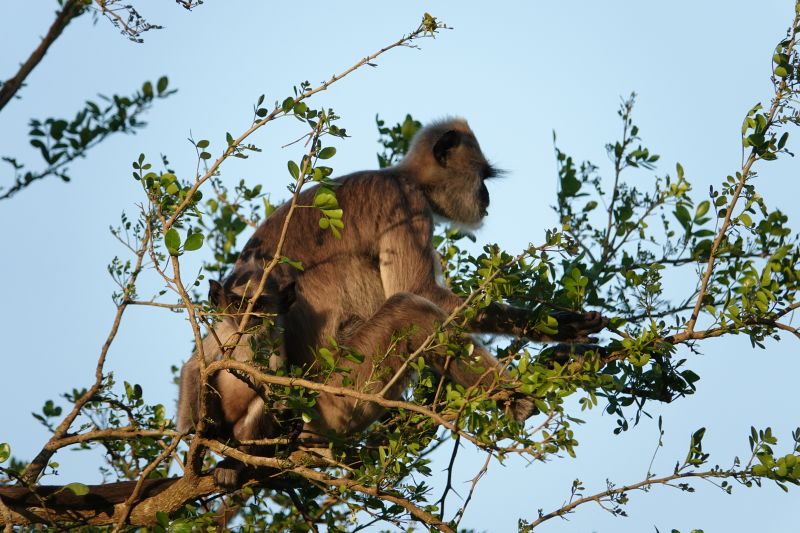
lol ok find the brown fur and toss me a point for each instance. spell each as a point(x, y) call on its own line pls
point(234, 409)
point(380, 278)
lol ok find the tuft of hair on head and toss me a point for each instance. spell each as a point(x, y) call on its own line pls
point(426, 138)
point(491, 171)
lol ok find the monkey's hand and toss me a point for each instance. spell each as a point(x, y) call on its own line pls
point(505, 319)
point(521, 409)
point(577, 327)
point(229, 474)
point(562, 353)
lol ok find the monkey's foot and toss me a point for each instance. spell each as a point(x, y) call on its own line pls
point(577, 327)
point(564, 352)
point(228, 474)
point(521, 409)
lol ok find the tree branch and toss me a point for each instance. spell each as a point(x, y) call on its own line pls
point(11, 86)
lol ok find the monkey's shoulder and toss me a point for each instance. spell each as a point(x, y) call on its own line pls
point(383, 189)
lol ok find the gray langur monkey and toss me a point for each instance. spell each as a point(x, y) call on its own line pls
point(380, 279)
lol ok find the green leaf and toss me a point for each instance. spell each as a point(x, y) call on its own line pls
point(78, 489)
point(161, 86)
point(193, 242)
point(268, 207)
point(327, 152)
point(683, 216)
point(782, 71)
point(173, 242)
point(287, 104)
point(355, 357)
point(745, 219)
point(332, 213)
point(294, 170)
point(5, 451)
point(182, 526)
point(783, 139)
point(702, 209)
point(327, 356)
point(781, 59)
point(300, 108)
point(296, 264)
point(570, 185)
point(690, 376)
point(325, 198)
point(324, 223)
point(756, 139)
point(202, 144)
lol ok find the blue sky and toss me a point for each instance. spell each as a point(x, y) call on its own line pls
point(517, 71)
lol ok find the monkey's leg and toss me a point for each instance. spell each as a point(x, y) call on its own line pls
point(245, 417)
point(386, 340)
point(480, 368)
point(188, 395)
point(483, 369)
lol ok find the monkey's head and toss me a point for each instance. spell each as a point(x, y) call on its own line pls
point(446, 160)
point(272, 301)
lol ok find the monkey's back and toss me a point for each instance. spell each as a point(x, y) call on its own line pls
point(340, 283)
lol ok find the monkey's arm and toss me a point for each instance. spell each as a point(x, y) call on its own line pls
point(188, 395)
point(518, 322)
point(408, 264)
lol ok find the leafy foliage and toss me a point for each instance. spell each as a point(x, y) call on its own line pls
point(61, 141)
point(618, 259)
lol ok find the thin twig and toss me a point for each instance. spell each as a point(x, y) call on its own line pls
point(478, 476)
point(38, 464)
point(128, 505)
point(642, 485)
point(231, 149)
point(302, 510)
point(449, 486)
point(744, 175)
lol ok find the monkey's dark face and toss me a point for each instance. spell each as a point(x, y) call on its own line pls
point(461, 196)
point(487, 172)
point(483, 199)
point(458, 190)
point(446, 161)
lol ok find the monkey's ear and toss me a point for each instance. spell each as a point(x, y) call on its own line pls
point(287, 296)
point(277, 300)
point(216, 295)
point(446, 142)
